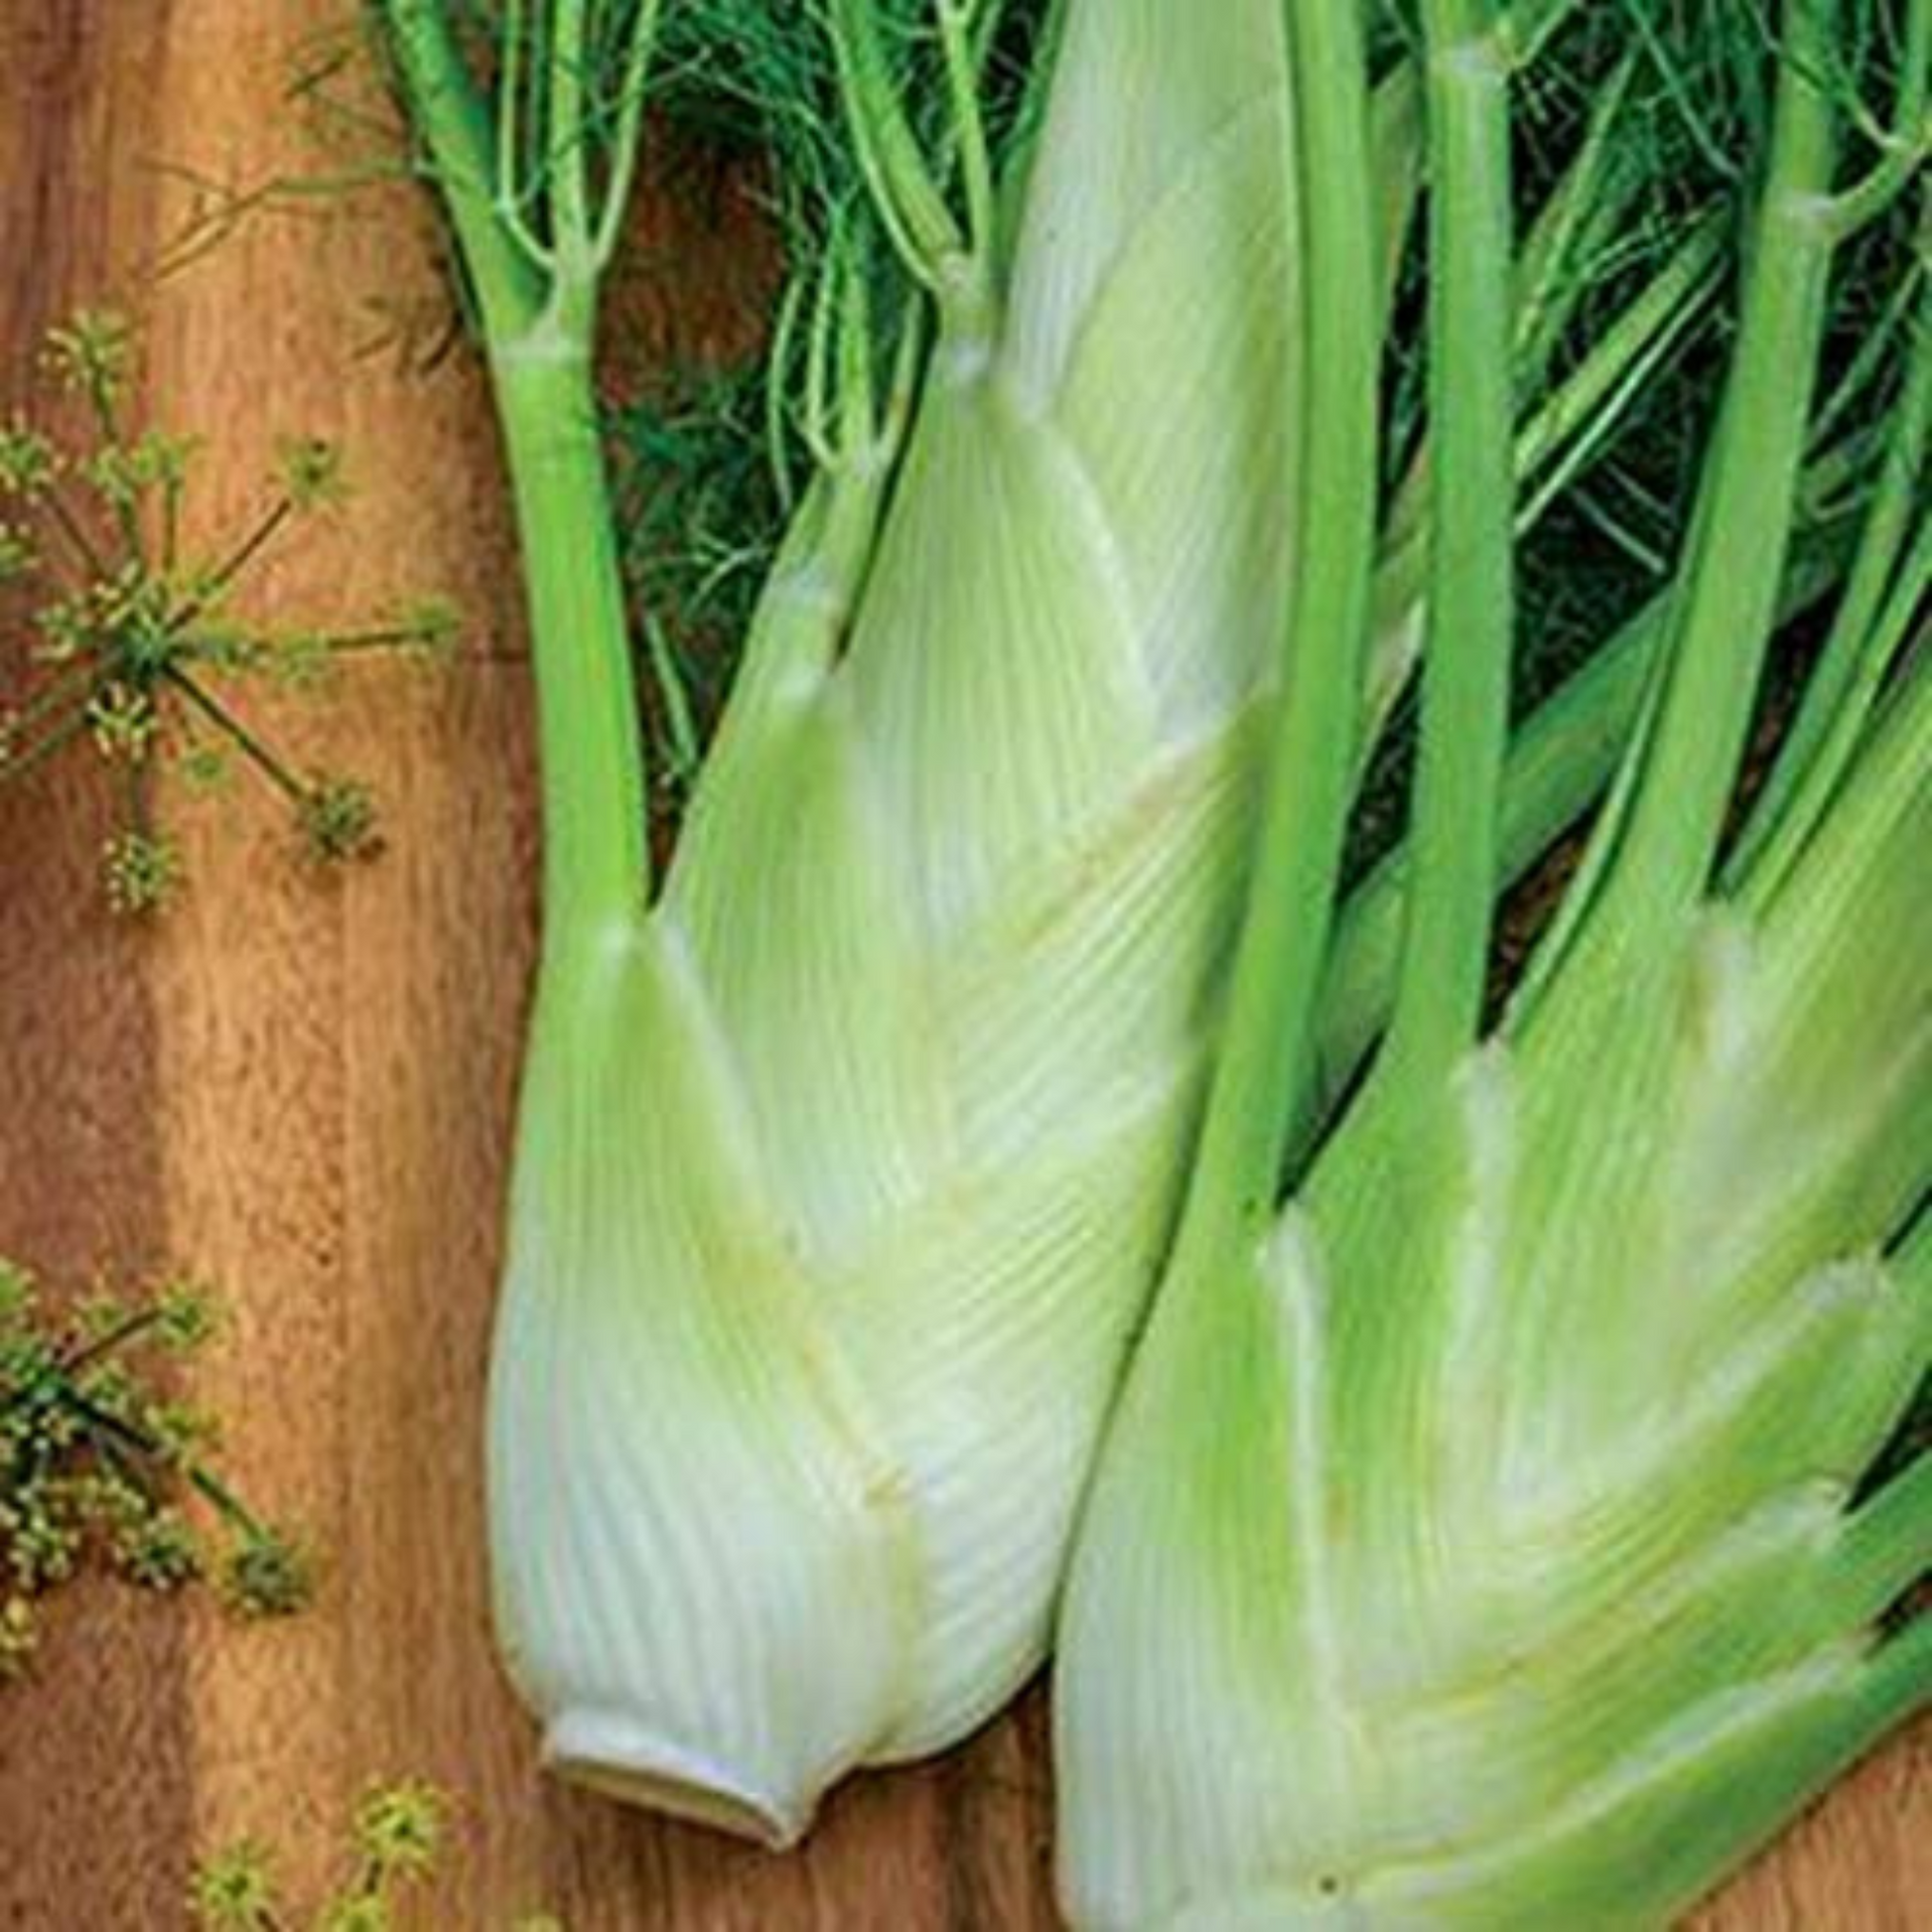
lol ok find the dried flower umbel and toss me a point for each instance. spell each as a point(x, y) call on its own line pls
point(103, 1464)
point(128, 639)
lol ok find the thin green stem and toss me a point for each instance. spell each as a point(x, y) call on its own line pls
point(120, 505)
point(1901, 618)
point(138, 776)
point(597, 867)
point(1262, 1072)
point(106, 1422)
point(512, 194)
point(1640, 549)
point(1877, 343)
point(910, 208)
point(1559, 762)
point(509, 100)
point(70, 525)
point(540, 333)
point(815, 421)
point(968, 124)
point(1567, 432)
point(567, 165)
point(1905, 143)
point(778, 389)
point(1729, 588)
point(129, 1329)
point(1471, 575)
point(1593, 190)
point(627, 137)
point(258, 753)
point(1573, 425)
point(1560, 759)
point(857, 415)
point(1529, 25)
point(453, 123)
point(1852, 661)
point(679, 724)
point(267, 528)
point(127, 520)
point(171, 503)
point(55, 741)
point(77, 683)
point(224, 1499)
point(393, 637)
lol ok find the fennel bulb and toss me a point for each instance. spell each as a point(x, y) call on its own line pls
point(1487, 1537)
point(845, 1162)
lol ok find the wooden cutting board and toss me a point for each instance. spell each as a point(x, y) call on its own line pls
point(302, 1088)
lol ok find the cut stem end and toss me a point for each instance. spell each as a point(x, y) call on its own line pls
point(614, 1755)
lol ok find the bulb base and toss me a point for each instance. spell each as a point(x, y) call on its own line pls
point(617, 1758)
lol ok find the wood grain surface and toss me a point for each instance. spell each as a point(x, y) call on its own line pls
point(301, 1087)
